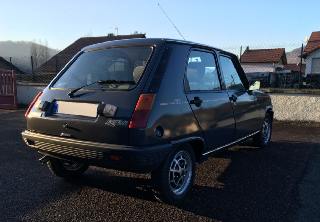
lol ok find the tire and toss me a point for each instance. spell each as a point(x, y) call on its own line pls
point(262, 139)
point(174, 178)
point(66, 169)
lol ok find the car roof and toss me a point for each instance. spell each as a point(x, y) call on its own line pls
point(147, 41)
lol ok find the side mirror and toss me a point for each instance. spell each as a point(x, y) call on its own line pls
point(255, 85)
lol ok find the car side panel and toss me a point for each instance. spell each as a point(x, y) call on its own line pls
point(170, 110)
point(215, 117)
point(246, 113)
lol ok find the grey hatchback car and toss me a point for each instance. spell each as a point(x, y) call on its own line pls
point(154, 106)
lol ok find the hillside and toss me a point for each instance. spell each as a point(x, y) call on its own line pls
point(19, 49)
point(293, 56)
point(20, 53)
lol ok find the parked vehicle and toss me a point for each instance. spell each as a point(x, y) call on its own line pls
point(147, 105)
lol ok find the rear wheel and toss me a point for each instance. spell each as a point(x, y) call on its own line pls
point(174, 178)
point(262, 139)
point(66, 169)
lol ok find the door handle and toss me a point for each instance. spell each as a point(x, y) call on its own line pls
point(233, 98)
point(196, 101)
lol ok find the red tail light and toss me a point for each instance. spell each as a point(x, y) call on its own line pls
point(142, 111)
point(32, 104)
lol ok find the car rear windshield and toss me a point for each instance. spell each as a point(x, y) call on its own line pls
point(115, 68)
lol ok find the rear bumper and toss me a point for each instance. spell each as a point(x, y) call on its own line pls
point(131, 158)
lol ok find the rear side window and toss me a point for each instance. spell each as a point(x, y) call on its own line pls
point(231, 76)
point(202, 71)
point(122, 67)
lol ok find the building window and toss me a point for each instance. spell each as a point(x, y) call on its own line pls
point(315, 65)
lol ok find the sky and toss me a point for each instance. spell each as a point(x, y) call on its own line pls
point(219, 23)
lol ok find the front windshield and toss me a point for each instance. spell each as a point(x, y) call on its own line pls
point(124, 65)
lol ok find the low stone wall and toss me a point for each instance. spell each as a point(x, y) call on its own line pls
point(27, 91)
point(296, 107)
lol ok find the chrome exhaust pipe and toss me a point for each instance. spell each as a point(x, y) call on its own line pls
point(44, 159)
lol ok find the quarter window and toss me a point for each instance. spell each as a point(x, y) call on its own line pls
point(202, 72)
point(231, 76)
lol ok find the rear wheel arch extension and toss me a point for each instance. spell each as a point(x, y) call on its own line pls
point(197, 145)
point(270, 112)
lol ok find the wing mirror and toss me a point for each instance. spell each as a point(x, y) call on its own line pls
point(254, 85)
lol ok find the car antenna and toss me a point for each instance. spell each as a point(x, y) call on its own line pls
point(171, 21)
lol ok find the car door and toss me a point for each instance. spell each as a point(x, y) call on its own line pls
point(244, 103)
point(210, 104)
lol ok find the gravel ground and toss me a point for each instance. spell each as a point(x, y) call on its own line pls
point(244, 183)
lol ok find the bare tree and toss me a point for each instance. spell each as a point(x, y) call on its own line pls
point(39, 52)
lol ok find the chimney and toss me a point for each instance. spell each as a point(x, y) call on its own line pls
point(247, 49)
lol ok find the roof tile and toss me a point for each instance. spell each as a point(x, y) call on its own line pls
point(262, 55)
point(313, 43)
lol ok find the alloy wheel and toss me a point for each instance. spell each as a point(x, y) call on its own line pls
point(180, 172)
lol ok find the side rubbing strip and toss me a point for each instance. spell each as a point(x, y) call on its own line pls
point(157, 76)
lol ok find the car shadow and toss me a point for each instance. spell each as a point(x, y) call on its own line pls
point(244, 183)
point(125, 183)
point(251, 184)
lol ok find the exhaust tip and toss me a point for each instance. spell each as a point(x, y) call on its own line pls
point(44, 159)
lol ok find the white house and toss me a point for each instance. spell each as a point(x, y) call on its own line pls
point(257, 63)
point(263, 60)
point(312, 54)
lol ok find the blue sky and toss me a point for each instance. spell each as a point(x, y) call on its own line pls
point(211, 22)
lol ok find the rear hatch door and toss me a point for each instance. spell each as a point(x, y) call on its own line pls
point(94, 98)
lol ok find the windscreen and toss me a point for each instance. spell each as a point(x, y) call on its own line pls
point(122, 67)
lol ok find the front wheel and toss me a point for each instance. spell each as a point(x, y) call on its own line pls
point(174, 178)
point(66, 169)
point(262, 139)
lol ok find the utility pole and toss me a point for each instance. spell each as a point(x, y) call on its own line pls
point(300, 66)
point(114, 28)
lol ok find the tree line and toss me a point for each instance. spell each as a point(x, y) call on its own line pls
point(40, 52)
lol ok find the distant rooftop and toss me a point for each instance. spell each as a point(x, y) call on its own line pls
point(68, 53)
point(264, 56)
point(4, 64)
point(313, 44)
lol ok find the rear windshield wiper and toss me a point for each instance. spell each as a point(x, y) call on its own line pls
point(72, 92)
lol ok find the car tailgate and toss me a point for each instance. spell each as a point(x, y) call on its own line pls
point(82, 118)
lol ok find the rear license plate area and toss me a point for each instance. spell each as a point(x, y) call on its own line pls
point(75, 109)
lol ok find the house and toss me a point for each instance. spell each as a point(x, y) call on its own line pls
point(263, 60)
point(263, 63)
point(312, 54)
point(295, 67)
point(57, 62)
point(4, 64)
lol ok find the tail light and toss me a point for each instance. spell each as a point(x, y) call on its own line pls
point(32, 104)
point(142, 111)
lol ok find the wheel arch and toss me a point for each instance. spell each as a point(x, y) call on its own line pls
point(269, 110)
point(198, 145)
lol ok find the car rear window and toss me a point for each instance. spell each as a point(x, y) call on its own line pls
point(122, 67)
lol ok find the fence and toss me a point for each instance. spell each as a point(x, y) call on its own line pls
point(276, 66)
point(8, 90)
point(27, 71)
point(280, 66)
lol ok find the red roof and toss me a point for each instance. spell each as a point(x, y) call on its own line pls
point(58, 61)
point(313, 44)
point(295, 67)
point(264, 56)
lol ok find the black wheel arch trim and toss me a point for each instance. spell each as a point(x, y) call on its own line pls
point(269, 109)
point(199, 154)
